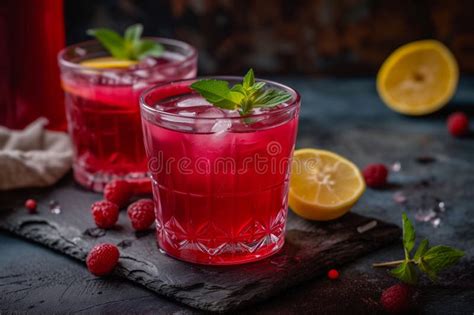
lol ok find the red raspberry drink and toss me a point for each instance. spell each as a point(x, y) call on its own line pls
point(220, 181)
point(103, 111)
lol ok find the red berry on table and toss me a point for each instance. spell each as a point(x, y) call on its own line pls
point(458, 124)
point(141, 186)
point(105, 213)
point(102, 259)
point(375, 175)
point(141, 214)
point(31, 205)
point(119, 192)
point(397, 298)
point(333, 274)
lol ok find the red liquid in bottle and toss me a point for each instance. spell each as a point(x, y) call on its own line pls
point(32, 34)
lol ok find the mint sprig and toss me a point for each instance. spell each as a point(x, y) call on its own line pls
point(427, 260)
point(242, 97)
point(131, 46)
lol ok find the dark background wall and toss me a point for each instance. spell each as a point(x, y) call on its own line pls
point(320, 37)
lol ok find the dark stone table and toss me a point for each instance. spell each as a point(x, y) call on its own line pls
point(431, 170)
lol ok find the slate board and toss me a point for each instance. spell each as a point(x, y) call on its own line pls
point(310, 249)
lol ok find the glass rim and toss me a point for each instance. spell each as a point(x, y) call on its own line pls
point(295, 101)
point(62, 61)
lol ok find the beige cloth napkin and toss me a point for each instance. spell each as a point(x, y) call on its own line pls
point(34, 156)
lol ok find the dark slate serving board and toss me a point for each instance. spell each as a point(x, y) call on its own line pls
point(311, 248)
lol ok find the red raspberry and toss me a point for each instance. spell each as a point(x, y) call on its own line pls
point(375, 175)
point(398, 298)
point(102, 259)
point(141, 186)
point(333, 274)
point(31, 205)
point(458, 124)
point(119, 192)
point(142, 214)
point(105, 213)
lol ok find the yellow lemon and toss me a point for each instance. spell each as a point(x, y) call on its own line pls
point(108, 63)
point(323, 185)
point(418, 78)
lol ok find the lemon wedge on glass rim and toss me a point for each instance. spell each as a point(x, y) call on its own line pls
point(418, 78)
point(323, 185)
point(108, 62)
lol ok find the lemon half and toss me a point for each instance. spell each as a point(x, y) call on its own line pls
point(323, 185)
point(418, 78)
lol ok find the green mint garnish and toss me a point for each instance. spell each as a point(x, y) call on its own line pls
point(243, 96)
point(130, 46)
point(428, 260)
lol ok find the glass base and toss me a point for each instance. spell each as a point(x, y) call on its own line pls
point(229, 254)
point(96, 181)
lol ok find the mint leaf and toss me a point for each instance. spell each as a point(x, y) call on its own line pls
point(406, 272)
point(408, 235)
point(249, 80)
point(428, 260)
point(242, 96)
point(424, 267)
point(270, 98)
point(218, 93)
point(146, 48)
point(130, 46)
point(441, 257)
point(257, 86)
point(238, 88)
point(133, 33)
point(422, 248)
point(111, 40)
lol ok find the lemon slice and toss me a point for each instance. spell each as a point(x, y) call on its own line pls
point(108, 63)
point(323, 185)
point(418, 78)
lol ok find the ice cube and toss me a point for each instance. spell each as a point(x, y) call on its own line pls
point(399, 197)
point(156, 76)
point(144, 74)
point(140, 85)
point(396, 167)
point(425, 215)
point(436, 222)
point(221, 125)
point(54, 207)
point(192, 101)
point(147, 62)
point(113, 77)
point(211, 112)
point(187, 113)
point(212, 116)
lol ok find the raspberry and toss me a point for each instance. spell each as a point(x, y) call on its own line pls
point(398, 298)
point(105, 213)
point(375, 175)
point(141, 214)
point(141, 186)
point(102, 259)
point(118, 192)
point(458, 124)
point(333, 274)
point(31, 205)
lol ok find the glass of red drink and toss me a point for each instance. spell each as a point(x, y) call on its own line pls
point(103, 110)
point(220, 180)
